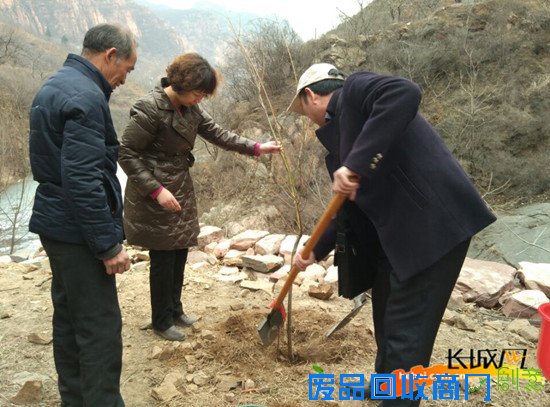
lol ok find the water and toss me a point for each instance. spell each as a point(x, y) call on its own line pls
point(16, 207)
point(15, 211)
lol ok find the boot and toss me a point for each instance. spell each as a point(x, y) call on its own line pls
point(185, 320)
point(171, 334)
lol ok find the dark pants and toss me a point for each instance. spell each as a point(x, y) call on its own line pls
point(407, 314)
point(165, 283)
point(87, 342)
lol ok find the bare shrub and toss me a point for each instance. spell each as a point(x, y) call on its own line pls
point(9, 46)
point(270, 44)
point(352, 26)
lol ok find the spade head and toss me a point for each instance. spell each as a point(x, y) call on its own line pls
point(345, 320)
point(269, 327)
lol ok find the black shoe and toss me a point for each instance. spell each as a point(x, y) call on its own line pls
point(171, 334)
point(366, 389)
point(185, 320)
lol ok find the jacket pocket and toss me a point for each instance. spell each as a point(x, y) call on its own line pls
point(408, 186)
point(114, 200)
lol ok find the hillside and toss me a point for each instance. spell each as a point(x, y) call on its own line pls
point(482, 65)
point(484, 68)
point(162, 32)
point(65, 22)
point(206, 27)
point(25, 61)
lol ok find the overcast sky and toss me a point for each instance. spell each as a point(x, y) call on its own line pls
point(309, 18)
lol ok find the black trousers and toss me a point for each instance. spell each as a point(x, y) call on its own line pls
point(87, 342)
point(165, 284)
point(407, 314)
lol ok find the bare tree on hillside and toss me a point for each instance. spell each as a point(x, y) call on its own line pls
point(266, 42)
point(9, 46)
point(354, 25)
point(396, 9)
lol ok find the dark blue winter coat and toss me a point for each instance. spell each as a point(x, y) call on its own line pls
point(415, 199)
point(73, 155)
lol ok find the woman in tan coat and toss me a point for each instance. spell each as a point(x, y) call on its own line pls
point(160, 211)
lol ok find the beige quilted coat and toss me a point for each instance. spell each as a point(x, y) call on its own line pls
point(155, 150)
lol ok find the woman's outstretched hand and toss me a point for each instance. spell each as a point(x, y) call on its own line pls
point(271, 147)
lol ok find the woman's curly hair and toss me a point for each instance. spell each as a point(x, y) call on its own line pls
point(189, 72)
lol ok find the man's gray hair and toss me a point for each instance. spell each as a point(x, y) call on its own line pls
point(104, 36)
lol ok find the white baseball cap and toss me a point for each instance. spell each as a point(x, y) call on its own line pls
point(315, 73)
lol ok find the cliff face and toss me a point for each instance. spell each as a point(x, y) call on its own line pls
point(56, 18)
point(66, 21)
point(162, 33)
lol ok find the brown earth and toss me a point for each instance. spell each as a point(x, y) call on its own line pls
point(225, 345)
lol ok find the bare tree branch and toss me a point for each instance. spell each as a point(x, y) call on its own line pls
point(529, 243)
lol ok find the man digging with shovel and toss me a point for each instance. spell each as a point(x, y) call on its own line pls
point(411, 206)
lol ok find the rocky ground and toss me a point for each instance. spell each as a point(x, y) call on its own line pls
point(222, 362)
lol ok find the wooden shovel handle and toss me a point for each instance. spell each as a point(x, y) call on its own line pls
point(331, 210)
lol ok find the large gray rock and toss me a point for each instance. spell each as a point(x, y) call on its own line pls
point(522, 236)
point(483, 282)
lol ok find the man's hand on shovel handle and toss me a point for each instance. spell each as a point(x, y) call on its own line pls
point(302, 263)
point(346, 182)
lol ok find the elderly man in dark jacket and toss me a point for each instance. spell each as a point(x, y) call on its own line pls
point(412, 206)
point(78, 213)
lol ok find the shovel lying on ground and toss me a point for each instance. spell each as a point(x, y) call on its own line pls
point(270, 325)
point(358, 301)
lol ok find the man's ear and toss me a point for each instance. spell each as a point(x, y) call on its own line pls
point(310, 95)
point(110, 54)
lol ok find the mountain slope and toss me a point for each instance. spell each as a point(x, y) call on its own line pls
point(66, 21)
point(484, 70)
point(162, 32)
point(206, 30)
